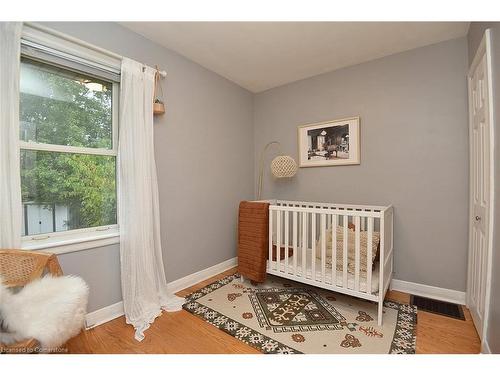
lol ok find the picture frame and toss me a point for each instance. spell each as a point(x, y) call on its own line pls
point(329, 143)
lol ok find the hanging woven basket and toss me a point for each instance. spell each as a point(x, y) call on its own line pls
point(158, 100)
point(158, 108)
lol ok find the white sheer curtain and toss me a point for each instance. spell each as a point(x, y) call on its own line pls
point(144, 286)
point(10, 184)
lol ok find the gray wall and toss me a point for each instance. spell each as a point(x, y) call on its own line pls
point(204, 155)
point(414, 155)
point(100, 267)
point(474, 36)
point(414, 151)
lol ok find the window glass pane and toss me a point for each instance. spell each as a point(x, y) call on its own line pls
point(63, 191)
point(61, 107)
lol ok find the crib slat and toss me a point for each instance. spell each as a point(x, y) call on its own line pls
point(369, 264)
point(313, 246)
point(294, 239)
point(357, 256)
point(329, 219)
point(304, 244)
point(345, 221)
point(335, 223)
point(323, 247)
point(287, 228)
point(299, 229)
point(278, 240)
point(270, 255)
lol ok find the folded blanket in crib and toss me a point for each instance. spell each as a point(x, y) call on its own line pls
point(351, 248)
point(253, 234)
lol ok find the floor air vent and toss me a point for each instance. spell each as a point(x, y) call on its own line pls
point(448, 309)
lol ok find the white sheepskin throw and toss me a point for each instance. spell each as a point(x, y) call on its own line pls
point(50, 310)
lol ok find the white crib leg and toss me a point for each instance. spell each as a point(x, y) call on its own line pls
point(242, 279)
point(380, 312)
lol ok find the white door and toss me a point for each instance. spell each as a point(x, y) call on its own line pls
point(480, 136)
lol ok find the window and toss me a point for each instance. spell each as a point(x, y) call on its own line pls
point(68, 145)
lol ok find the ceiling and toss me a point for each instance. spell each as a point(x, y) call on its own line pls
point(262, 55)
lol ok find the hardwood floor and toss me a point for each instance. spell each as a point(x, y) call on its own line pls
point(182, 332)
point(437, 334)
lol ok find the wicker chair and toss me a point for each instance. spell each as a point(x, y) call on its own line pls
point(18, 268)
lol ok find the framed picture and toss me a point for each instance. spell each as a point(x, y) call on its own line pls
point(329, 143)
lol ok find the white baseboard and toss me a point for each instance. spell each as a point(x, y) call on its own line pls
point(434, 292)
point(195, 278)
point(114, 311)
point(104, 315)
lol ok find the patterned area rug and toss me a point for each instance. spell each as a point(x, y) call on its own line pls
point(281, 316)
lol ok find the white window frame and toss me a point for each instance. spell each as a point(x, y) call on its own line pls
point(84, 238)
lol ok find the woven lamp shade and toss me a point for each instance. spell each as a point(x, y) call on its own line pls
point(283, 166)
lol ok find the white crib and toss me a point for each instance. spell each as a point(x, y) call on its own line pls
point(299, 227)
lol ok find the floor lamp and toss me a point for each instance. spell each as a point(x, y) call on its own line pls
point(282, 166)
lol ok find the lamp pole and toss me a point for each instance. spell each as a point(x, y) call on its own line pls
point(259, 192)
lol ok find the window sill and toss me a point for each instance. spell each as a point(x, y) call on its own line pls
point(74, 242)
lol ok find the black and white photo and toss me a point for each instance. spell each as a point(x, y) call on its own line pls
point(329, 143)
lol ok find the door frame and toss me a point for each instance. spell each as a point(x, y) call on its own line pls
point(483, 49)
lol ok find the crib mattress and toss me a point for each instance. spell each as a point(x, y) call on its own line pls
point(328, 273)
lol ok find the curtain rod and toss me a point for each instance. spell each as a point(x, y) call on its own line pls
point(81, 42)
